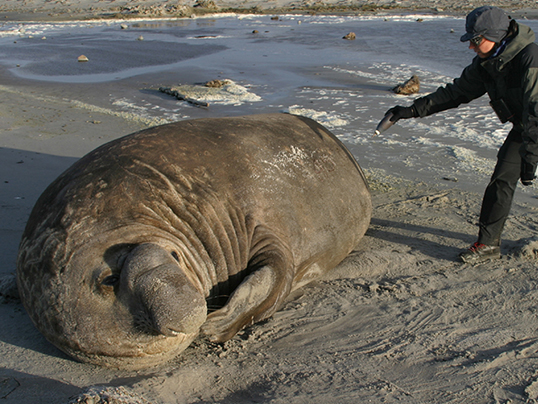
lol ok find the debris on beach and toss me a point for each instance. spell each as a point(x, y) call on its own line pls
point(411, 86)
point(108, 395)
point(207, 4)
point(183, 97)
point(154, 10)
point(215, 83)
point(224, 92)
point(83, 58)
point(350, 36)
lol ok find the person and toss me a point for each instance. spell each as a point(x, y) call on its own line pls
point(505, 67)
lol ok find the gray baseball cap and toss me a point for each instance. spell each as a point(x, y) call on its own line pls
point(490, 22)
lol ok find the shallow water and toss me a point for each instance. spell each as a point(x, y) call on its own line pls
point(297, 64)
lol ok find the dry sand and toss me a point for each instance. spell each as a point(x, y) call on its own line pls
point(400, 320)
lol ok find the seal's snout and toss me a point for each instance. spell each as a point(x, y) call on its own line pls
point(160, 295)
point(172, 310)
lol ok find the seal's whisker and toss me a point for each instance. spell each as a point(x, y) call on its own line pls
point(142, 322)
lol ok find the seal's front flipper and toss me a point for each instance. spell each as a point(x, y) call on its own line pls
point(253, 300)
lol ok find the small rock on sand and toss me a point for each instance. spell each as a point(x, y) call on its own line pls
point(411, 86)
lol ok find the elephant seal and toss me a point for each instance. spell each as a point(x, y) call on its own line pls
point(126, 252)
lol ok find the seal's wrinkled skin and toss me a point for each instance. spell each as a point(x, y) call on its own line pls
point(128, 250)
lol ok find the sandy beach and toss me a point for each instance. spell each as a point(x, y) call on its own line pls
point(24, 10)
point(400, 320)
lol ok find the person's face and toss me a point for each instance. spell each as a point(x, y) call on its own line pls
point(484, 48)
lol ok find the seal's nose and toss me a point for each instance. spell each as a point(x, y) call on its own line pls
point(159, 294)
point(172, 308)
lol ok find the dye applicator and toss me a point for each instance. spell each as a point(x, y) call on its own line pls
point(384, 124)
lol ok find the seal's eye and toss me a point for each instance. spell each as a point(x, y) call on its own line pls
point(107, 282)
point(174, 254)
point(111, 280)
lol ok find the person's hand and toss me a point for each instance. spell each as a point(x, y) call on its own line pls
point(399, 112)
point(528, 172)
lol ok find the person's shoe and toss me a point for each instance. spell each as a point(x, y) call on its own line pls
point(480, 252)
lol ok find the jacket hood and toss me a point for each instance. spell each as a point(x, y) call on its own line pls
point(524, 37)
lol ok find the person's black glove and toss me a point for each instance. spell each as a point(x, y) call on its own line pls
point(528, 171)
point(399, 112)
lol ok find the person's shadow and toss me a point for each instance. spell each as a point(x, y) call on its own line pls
point(410, 236)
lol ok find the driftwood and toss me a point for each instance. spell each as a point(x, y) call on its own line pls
point(183, 97)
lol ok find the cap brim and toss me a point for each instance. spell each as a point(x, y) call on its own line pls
point(468, 36)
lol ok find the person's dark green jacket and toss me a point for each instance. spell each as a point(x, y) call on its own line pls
point(511, 76)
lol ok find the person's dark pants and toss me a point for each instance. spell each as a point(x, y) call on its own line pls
point(500, 191)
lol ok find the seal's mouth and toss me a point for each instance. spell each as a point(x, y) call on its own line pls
point(146, 352)
point(146, 322)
